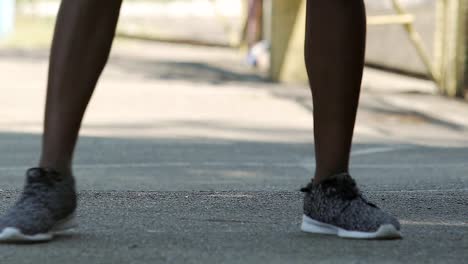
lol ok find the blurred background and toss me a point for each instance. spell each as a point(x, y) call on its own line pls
point(425, 38)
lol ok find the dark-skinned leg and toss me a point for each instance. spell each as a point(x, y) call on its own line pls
point(83, 37)
point(334, 55)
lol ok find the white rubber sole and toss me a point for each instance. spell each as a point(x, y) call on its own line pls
point(310, 225)
point(12, 234)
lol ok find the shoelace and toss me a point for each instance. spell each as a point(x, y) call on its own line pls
point(341, 185)
point(43, 176)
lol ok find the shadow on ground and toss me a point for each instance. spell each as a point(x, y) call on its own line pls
point(190, 71)
point(215, 72)
point(184, 164)
point(202, 71)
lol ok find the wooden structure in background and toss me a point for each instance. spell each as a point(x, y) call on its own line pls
point(287, 41)
point(451, 49)
point(449, 70)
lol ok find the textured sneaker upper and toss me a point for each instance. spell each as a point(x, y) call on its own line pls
point(338, 201)
point(47, 197)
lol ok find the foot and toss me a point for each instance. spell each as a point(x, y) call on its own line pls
point(337, 207)
point(45, 207)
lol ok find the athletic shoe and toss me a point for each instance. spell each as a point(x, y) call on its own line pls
point(337, 207)
point(45, 208)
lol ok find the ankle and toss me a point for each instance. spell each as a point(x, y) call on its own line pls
point(320, 177)
point(63, 169)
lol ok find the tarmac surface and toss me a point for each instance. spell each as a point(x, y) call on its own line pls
point(187, 157)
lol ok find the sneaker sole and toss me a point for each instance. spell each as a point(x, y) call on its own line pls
point(310, 225)
point(13, 234)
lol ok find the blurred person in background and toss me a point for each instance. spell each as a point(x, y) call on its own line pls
point(334, 56)
point(258, 50)
point(254, 22)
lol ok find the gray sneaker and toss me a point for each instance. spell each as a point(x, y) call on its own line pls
point(337, 207)
point(45, 207)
